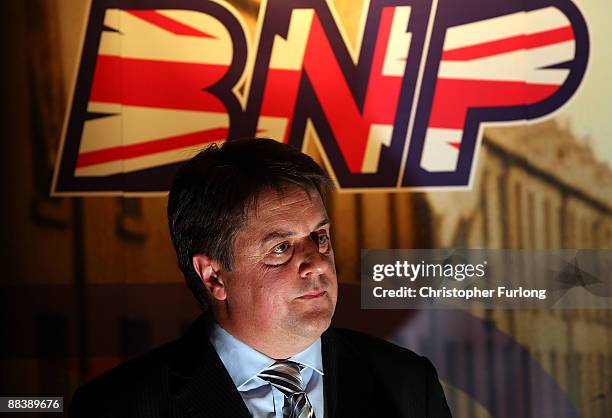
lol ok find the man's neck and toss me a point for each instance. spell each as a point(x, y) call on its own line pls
point(278, 346)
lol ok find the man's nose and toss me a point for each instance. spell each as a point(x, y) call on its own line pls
point(313, 263)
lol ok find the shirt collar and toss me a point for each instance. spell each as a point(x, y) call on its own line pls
point(243, 363)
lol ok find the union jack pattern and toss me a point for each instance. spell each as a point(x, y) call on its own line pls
point(495, 62)
point(360, 134)
point(404, 107)
point(148, 91)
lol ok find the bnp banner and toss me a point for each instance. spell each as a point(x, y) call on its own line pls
point(403, 106)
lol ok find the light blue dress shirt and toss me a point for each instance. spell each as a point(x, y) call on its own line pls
point(244, 363)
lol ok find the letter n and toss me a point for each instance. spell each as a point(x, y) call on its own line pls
point(357, 101)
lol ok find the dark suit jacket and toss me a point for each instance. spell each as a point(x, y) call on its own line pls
point(364, 377)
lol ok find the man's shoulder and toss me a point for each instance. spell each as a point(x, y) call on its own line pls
point(370, 345)
point(382, 355)
point(403, 376)
point(178, 356)
point(143, 380)
point(140, 368)
point(128, 379)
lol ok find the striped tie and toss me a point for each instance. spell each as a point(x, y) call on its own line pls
point(286, 377)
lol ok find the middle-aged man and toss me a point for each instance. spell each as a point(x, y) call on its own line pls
point(253, 241)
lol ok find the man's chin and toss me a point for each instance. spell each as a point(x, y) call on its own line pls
point(313, 323)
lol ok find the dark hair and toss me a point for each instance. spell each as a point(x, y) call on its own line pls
point(212, 193)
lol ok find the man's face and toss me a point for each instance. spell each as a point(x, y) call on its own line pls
point(283, 283)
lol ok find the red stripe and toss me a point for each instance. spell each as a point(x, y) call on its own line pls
point(142, 149)
point(280, 96)
point(281, 92)
point(168, 24)
point(456, 145)
point(149, 83)
point(106, 84)
point(454, 97)
point(513, 43)
point(536, 40)
point(383, 91)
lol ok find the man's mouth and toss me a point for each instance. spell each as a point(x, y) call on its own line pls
point(314, 293)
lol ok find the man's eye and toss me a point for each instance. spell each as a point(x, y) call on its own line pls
point(323, 241)
point(280, 248)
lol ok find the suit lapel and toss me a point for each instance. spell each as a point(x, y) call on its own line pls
point(347, 384)
point(199, 383)
point(330, 372)
point(201, 386)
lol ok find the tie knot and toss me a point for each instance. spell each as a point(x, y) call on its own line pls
point(285, 376)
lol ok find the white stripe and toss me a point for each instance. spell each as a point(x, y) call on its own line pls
point(140, 163)
point(521, 65)
point(135, 125)
point(545, 19)
point(502, 27)
point(143, 40)
point(272, 127)
point(438, 155)
point(378, 136)
point(99, 107)
point(447, 135)
point(483, 31)
point(288, 54)
point(399, 43)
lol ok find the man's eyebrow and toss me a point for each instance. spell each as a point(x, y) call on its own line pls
point(275, 235)
point(323, 222)
point(285, 234)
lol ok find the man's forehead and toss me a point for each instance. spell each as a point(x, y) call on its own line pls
point(289, 198)
point(287, 212)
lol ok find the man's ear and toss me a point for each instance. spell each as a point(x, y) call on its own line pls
point(207, 270)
